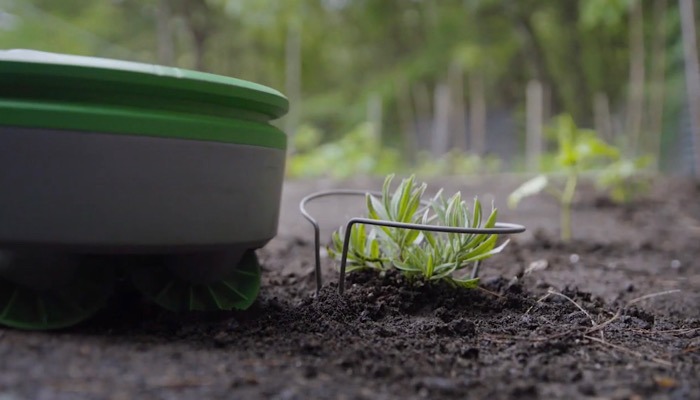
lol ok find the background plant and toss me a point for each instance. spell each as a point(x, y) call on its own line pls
point(578, 150)
point(419, 254)
point(358, 152)
point(626, 179)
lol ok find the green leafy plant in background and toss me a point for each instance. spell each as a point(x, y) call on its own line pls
point(625, 179)
point(358, 152)
point(456, 162)
point(418, 254)
point(578, 150)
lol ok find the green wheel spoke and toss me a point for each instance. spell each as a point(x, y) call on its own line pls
point(41, 308)
point(237, 290)
point(215, 298)
point(246, 273)
point(233, 289)
point(57, 307)
point(164, 292)
point(10, 303)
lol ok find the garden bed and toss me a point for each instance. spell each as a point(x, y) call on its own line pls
point(613, 314)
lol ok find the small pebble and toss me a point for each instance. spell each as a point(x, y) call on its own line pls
point(574, 258)
point(675, 264)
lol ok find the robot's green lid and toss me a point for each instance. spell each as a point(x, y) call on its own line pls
point(58, 91)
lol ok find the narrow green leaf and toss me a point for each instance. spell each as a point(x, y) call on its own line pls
point(405, 200)
point(430, 267)
point(491, 220)
point(430, 237)
point(406, 267)
point(476, 217)
point(386, 197)
point(411, 236)
point(396, 200)
point(485, 246)
point(445, 272)
point(488, 254)
point(374, 248)
point(466, 283)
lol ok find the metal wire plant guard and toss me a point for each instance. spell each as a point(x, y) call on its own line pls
point(500, 228)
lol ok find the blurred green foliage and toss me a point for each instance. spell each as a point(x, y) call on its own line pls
point(358, 152)
point(626, 179)
point(351, 50)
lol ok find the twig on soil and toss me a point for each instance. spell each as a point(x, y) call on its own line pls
point(651, 295)
point(629, 351)
point(600, 326)
point(180, 384)
point(504, 338)
point(489, 292)
point(539, 301)
point(595, 324)
point(666, 331)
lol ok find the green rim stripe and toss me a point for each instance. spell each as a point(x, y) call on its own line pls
point(71, 81)
point(136, 122)
point(65, 68)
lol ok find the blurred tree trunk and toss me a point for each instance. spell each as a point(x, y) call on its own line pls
point(166, 46)
point(198, 18)
point(441, 119)
point(577, 77)
point(292, 74)
point(536, 56)
point(534, 107)
point(635, 102)
point(374, 116)
point(421, 99)
point(601, 116)
point(458, 128)
point(407, 122)
point(658, 81)
point(692, 73)
point(477, 113)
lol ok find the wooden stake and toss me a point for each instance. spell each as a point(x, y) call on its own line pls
point(635, 104)
point(657, 82)
point(458, 128)
point(534, 107)
point(692, 74)
point(441, 133)
point(477, 113)
point(293, 78)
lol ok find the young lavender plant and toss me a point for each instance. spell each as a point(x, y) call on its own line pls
point(431, 256)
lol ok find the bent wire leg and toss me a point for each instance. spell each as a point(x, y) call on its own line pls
point(475, 270)
point(499, 229)
point(317, 229)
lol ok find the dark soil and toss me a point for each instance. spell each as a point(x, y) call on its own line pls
point(577, 326)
